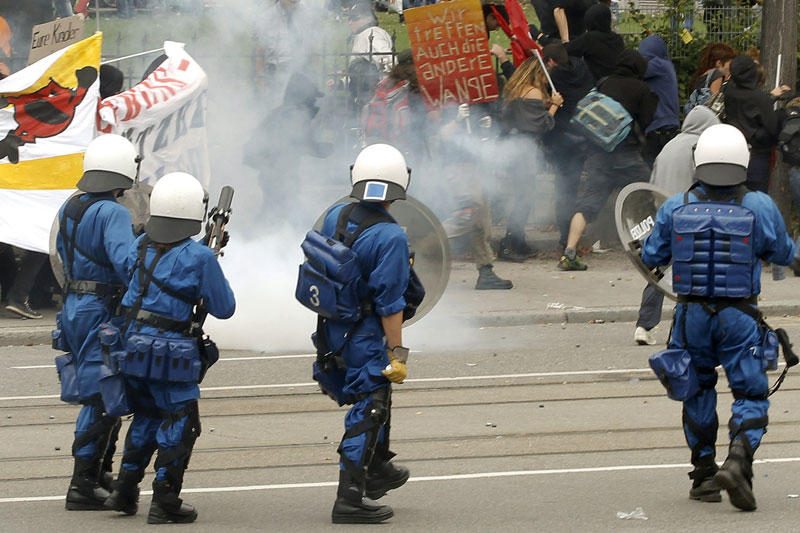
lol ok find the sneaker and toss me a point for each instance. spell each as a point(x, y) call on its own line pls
point(643, 337)
point(565, 263)
point(23, 309)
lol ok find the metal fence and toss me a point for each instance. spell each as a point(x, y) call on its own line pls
point(738, 25)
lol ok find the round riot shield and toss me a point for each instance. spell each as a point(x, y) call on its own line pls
point(635, 217)
point(136, 199)
point(429, 244)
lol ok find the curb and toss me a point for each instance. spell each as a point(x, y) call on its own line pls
point(597, 314)
point(41, 334)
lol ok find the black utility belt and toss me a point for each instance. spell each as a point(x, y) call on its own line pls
point(160, 322)
point(725, 302)
point(94, 287)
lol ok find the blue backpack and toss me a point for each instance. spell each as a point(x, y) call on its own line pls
point(601, 119)
point(330, 282)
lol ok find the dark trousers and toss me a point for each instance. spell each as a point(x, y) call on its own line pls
point(30, 265)
point(567, 160)
point(655, 142)
point(650, 308)
point(758, 172)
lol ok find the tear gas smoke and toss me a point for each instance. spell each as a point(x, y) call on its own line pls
point(279, 197)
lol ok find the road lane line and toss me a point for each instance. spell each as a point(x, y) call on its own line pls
point(416, 380)
point(422, 479)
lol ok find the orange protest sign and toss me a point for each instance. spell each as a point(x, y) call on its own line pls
point(451, 54)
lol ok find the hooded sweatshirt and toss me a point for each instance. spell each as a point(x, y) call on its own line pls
point(626, 86)
point(673, 170)
point(662, 80)
point(749, 108)
point(599, 46)
point(573, 81)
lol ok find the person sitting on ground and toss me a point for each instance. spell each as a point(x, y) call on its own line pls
point(604, 171)
point(526, 115)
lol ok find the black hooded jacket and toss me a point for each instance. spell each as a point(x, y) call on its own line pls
point(573, 81)
point(626, 85)
point(750, 109)
point(599, 46)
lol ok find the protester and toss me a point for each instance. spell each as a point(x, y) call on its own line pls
point(663, 82)
point(466, 153)
point(526, 116)
point(564, 147)
point(561, 19)
point(673, 172)
point(752, 111)
point(284, 135)
point(30, 264)
point(396, 113)
point(125, 9)
point(605, 171)
point(713, 67)
point(599, 46)
point(372, 58)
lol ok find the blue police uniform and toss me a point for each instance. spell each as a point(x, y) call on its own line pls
point(95, 258)
point(717, 248)
point(383, 259)
point(162, 366)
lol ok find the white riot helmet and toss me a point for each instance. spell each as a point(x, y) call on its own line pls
point(721, 156)
point(110, 162)
point(177, 208)
point(379, 174)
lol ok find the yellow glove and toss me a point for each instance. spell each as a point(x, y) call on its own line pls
point(396, 371)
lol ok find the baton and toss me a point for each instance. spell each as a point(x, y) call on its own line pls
point(544, 68)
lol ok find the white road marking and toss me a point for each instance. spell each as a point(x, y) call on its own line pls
point(417, 380)
point(453, 477)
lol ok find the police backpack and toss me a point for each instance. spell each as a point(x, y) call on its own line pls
point(789, 137)
point(330, 281)
point(601, 119)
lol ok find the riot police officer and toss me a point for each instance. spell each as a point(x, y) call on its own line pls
point(371, 347)
point(93, 242)
point(716, 236)
point(171, 275)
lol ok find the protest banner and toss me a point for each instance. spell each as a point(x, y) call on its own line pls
point(53, 36)
point(451, 54)
point(164, 116)
point(48, 115)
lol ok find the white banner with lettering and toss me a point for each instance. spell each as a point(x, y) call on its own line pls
point(165, 117)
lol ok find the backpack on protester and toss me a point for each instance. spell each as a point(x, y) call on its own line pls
point(387, 116)
point(704, 96)
point(789, 137)
point(601, 119)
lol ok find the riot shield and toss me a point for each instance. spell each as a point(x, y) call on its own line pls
point(429, 243)
point(635, 216)
point(136, 199)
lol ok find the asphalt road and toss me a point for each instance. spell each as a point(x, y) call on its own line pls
point(538, 428)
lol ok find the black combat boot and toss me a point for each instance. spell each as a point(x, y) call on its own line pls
point(384, 477)
point(704, 488)
point(85, 493)
point(351, 507)
point(513, 248)
point(167, 507)
point(125, 497)
point(488, 280)
point(736, 476)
